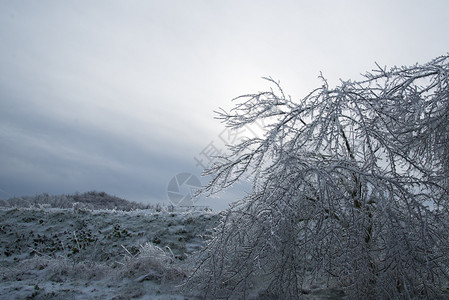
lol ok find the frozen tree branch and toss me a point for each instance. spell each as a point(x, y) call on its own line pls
point(350, 185)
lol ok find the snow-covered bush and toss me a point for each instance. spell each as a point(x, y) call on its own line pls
point(350, 186)
point(152, 263)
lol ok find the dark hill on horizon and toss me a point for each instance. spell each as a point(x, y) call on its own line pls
point(89, 200)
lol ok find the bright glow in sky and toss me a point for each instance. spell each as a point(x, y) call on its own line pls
point(118, 96)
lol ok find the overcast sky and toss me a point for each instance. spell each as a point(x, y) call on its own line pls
point(118, 96)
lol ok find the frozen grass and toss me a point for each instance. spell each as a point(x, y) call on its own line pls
point(79, 253)
point(54, 253)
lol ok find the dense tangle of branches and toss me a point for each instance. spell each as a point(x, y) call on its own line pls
point(350, 188)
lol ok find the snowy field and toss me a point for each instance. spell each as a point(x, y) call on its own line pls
point(80, 253)
point(52, 247)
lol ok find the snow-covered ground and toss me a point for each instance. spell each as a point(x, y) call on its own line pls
point(55, 253)
point(67, 247)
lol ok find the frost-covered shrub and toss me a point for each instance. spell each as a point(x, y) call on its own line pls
point(350, 186)
point(152, 263)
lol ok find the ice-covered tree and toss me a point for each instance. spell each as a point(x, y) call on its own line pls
point(350, 188)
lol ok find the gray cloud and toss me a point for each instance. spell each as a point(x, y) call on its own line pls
point(118, 96)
